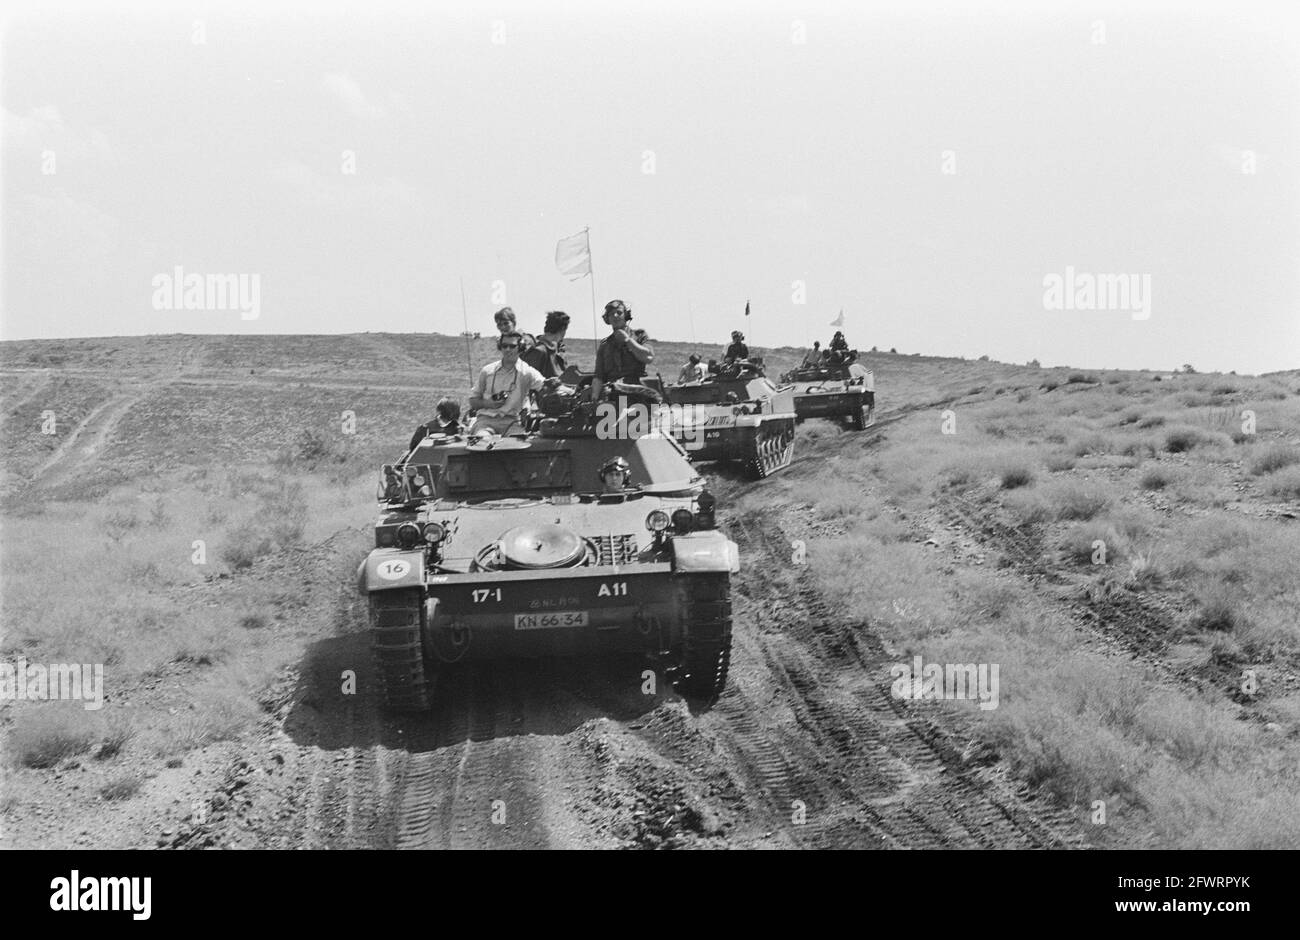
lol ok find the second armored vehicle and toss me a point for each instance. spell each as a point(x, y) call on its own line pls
point(735, 414)
point(835, 390)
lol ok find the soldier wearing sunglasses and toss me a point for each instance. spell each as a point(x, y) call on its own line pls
point(502, 388)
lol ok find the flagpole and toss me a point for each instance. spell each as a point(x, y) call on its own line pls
point(591, 273)
point(464, 312)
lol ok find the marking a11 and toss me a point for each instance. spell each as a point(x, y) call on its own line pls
point(614, 589)
point(394, 570)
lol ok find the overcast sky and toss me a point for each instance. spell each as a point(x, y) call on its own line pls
point(927, 169)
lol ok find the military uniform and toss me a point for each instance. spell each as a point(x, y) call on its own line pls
point(545, 358)
point(616, 363)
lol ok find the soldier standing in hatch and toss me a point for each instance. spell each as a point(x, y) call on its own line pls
point(545, 356)
point(502, 388)
point(619, 357)
point(737, 349)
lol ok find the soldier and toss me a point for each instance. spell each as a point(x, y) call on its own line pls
point(693, 371)
point(619, 357)
point(737, 349)
point(614, 474)
point(446, 421)
point(545, 356)
point(501, 391)
point(814, 357)
point(506, 323)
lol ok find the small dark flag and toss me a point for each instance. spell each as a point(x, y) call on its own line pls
point(747, 308)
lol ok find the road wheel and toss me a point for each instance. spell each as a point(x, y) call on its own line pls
point(397, 644)
point(773, 449)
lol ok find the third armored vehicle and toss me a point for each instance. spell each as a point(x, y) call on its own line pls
point(736, 414)
point(835, 390)
point(513, 547)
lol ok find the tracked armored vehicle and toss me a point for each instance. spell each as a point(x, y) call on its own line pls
point(736, 414)
point(844, 390)
point(507, 547)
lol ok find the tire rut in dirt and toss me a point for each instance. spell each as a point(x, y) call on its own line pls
point(1124, 619)
point(466, 780)
point(885, 775)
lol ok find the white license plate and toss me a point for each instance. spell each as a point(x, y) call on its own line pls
point(551, 619)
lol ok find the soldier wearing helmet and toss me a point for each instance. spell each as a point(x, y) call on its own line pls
point(737, 349)
point(614, 474)
point(620, 357)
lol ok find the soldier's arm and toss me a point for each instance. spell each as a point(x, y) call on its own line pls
point(643, 353)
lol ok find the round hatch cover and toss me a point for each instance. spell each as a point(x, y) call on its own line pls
point(541, 545)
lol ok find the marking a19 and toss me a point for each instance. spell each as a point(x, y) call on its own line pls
point(393, 570)
point(614, 589)
point(482, 594)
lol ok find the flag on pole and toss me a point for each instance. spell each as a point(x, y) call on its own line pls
point(839, 321)
point(573, 256)
point(747, 308)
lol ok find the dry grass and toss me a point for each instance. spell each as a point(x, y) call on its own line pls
point(121, 788)
point(1284, 483)
point(1157, 478)
point(1082, 726)
point(46, 734)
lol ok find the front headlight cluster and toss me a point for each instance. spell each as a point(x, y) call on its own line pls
point(683, 520)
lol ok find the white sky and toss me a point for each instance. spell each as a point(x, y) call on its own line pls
point(775, 161)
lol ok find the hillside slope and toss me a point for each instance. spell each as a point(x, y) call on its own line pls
point(1120, 545)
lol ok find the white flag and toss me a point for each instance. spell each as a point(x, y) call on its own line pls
point(839, 321)
point(573, 256)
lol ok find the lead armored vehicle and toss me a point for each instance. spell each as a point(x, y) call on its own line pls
point(507, 547)
point(735, 414)
point(835, 390)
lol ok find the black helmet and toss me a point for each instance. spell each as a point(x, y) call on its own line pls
point(736, 334)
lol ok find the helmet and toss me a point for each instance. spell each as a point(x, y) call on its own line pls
point(736, 334)
point(617, 306)
point(615, 463)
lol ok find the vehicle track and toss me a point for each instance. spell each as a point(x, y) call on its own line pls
point(27, 391)
point(883, 773)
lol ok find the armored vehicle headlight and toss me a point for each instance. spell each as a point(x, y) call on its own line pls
point(738, 410)
point(657, 521)
point(408, 535)
point(683, 519)
point(434, 533)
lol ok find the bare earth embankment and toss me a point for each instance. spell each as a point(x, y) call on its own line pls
point(1122, 545)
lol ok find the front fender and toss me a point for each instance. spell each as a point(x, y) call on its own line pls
point(388, 568)
point(705, 551)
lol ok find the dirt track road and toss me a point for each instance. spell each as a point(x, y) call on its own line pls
point(806, 749)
